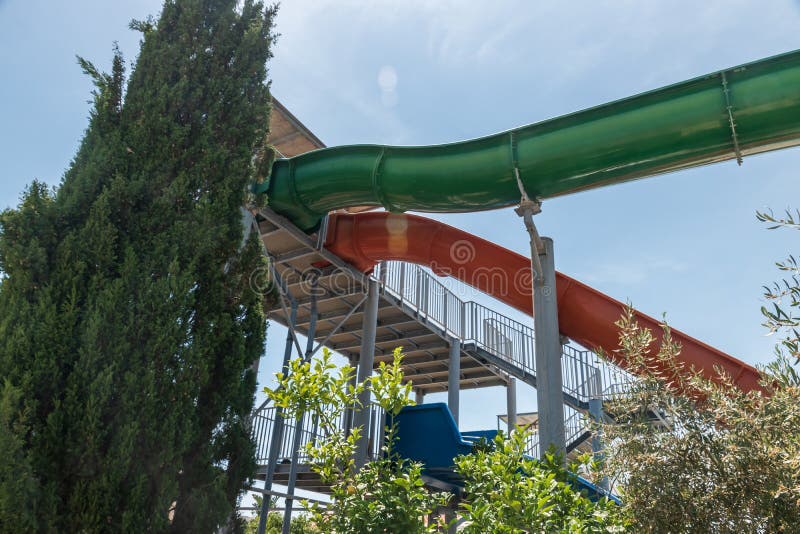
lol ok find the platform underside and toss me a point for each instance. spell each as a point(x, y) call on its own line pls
point(308, 272)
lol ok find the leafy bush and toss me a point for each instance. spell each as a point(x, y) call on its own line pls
point(724, 461)
point(506, 492)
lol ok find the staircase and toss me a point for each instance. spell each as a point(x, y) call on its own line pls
point(323, 296)
point(493, 338)
point(263, 424)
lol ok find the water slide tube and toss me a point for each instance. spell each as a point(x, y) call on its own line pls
point(728, 114)
point(584, 314)
point(427, 433)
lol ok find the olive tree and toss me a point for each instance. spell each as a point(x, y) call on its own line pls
point(719, 460)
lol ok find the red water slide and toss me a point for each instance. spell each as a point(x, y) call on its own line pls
point(584, 314)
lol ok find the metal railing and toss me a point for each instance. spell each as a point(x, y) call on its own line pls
point(263, 425)
point(574, 427)
point(584, 374)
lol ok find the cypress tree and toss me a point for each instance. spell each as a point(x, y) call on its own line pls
point(127, 324)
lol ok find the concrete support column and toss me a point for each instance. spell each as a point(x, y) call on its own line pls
point(419, 397)
point(511, 403)
point(365, 364)
point(548, 354)
point(454, 378)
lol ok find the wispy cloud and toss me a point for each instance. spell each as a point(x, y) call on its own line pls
point(319, 64)
point(636, 272)
point(332, 50)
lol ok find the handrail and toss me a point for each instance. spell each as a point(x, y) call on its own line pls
point(585, 375)
point(264, 423)
point(574, 427)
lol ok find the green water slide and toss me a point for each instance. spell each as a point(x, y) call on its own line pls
point(725, 115)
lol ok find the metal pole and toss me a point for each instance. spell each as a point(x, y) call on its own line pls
point(298, 436)
point(277, 428)
point(596, 413)
point(549, 386)
point(349, 412)
point(511, 403)
point(454, 378)
point(451, 519)
point(365, 364)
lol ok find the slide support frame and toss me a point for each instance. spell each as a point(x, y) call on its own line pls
point(549, 382)
point(365, 364)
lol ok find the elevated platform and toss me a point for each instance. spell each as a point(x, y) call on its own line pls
point(417, 313)
point(323, 297)
point(309, 273)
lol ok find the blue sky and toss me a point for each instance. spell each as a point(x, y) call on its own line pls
point(431, 71)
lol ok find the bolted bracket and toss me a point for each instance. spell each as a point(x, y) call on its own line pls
point(527, 209)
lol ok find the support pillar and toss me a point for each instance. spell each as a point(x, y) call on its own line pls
point(545, 323)
point(596, 408)
point(365, 365)
point(277, 428)
point(350, 411)
point(549, 386)
point(454, 378)
point(596, 414)
point(298, 431)
point(511, 403)
point(419, 397)
point(451, 518)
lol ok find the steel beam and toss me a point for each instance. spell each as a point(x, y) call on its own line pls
point(294, 303)
point(511, 403)
point(295, 254)
point(386, 338)
point(596, 414)
point(277, 427)
point(365, 363)
point(471, 383)
point(335, 329)
point(349, 411)
point(298, 436)
point(330, 295)
point(454, 377)
point(299, 235)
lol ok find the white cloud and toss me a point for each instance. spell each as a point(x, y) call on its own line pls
point(331, 50)
point(387, 78)
point(387, 81)
point(633, 272)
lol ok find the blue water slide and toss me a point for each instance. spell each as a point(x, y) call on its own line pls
point(427, 433)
